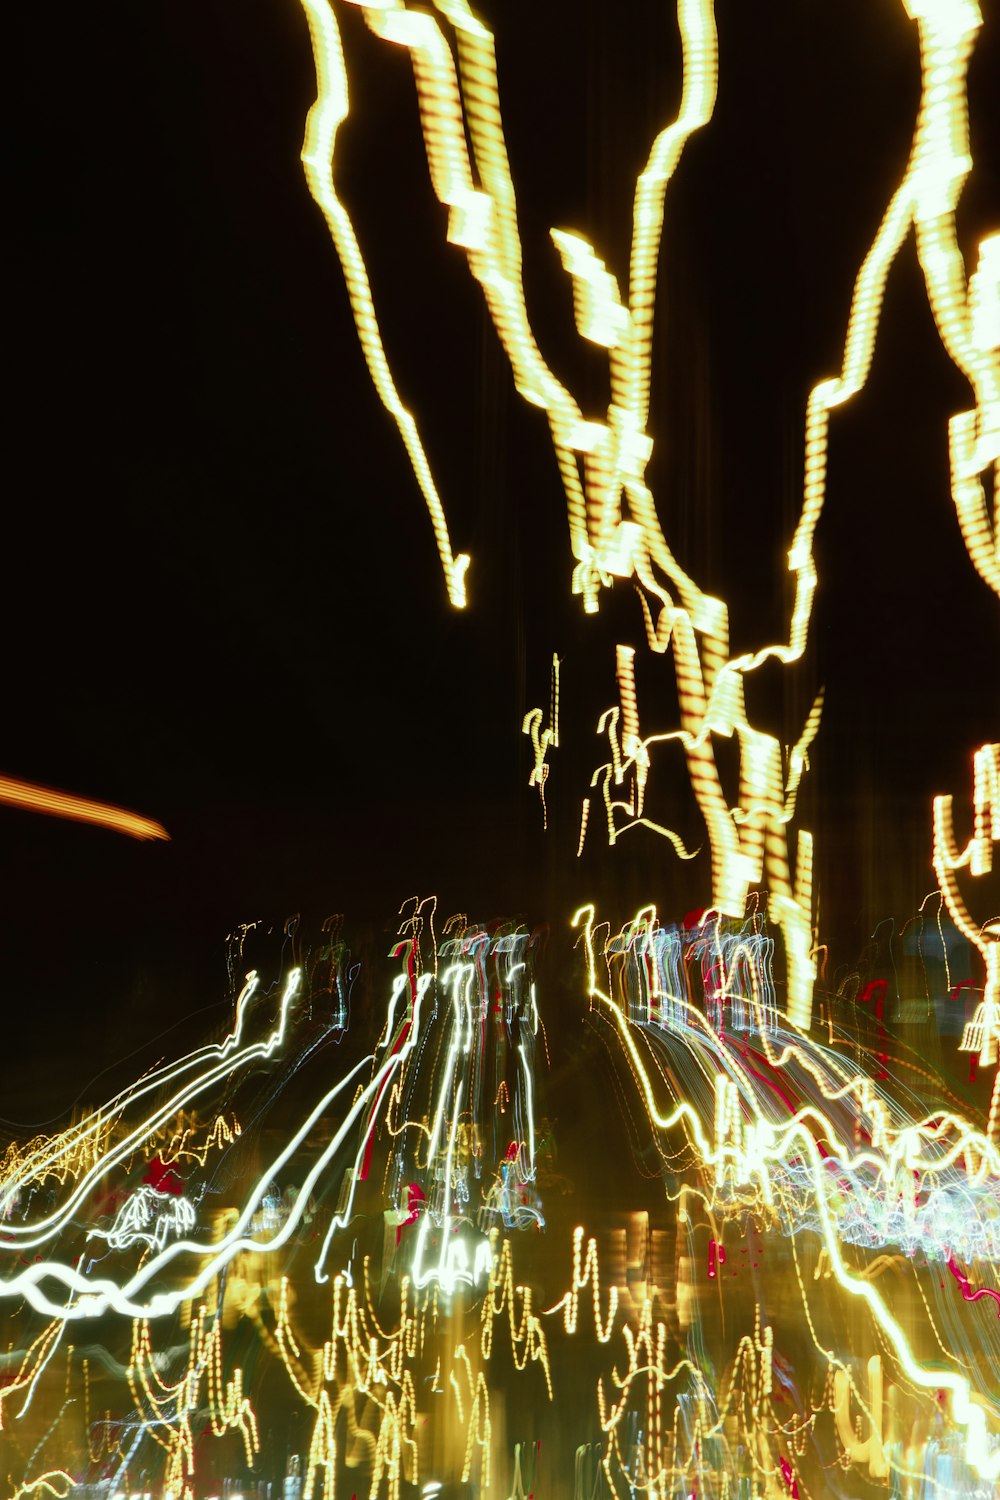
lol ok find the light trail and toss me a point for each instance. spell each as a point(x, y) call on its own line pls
point(543, 740)
point(223, 1060)
point(55, 804)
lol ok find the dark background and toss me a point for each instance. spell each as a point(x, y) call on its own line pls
point(222, 603)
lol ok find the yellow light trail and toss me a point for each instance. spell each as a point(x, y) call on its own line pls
point(56, 804)
point(55, 1482)
point(542, 740)
point(325, 118)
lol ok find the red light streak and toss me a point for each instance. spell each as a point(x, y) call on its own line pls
point(966, 1289)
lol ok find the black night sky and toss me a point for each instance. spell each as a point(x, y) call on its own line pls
point(222, 604)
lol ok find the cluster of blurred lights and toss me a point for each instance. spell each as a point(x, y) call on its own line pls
point(764, 1130)
point(602, 463)
point(772, 1137)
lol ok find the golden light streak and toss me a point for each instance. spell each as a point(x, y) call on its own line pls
point(55, 804)
point(32, 1365)
point(542, 740)
point(871, 1451)
point(55, 1482)
point(167, 1408)
point(325, 118)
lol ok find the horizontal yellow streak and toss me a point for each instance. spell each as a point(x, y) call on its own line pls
point(43, 799)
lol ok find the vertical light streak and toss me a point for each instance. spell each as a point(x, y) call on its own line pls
point(983, 1033)
point(542, 740)
point(324, 120)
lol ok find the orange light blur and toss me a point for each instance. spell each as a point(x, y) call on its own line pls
point(55, 804)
